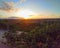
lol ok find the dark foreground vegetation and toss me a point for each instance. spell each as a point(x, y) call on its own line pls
point(44, 33)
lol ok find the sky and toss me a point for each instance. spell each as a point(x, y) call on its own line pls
point(43, 8)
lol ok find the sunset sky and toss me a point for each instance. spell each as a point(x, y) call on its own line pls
point(31, 8)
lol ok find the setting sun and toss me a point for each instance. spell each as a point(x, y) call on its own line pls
point(26, 14)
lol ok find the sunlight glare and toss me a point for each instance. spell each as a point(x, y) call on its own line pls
point(25, 13)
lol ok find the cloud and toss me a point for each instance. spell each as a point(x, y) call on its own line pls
point(7, 6)
point(22, 1)
point(11, 6)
